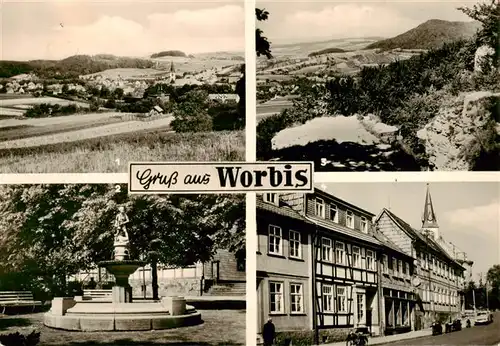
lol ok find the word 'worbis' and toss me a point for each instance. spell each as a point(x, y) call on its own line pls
point(231, 176)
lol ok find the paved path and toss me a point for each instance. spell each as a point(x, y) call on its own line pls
point(477, 335)
point(392, 338)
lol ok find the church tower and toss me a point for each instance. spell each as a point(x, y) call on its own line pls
point(172, 73)
point(429, 220)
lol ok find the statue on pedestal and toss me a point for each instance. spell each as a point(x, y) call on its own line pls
point(121, 236)
point(121, 220)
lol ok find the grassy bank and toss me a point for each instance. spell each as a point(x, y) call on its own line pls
point(111, 154)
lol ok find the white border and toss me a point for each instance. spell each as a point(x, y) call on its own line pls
point(65, 178)
point(383, 177)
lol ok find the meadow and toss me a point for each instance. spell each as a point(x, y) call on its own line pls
point(111, 154)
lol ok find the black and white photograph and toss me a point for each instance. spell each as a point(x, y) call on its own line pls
point(88, 86)
point(379, 86)
point(379, 263)
point(88, 264)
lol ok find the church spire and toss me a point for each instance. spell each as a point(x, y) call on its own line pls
point(429, 220)
point(172, 69)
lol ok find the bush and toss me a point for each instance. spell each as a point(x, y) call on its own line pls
point(18, 339)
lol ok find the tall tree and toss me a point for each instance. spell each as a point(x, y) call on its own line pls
point(262, 45)
point(48, 232)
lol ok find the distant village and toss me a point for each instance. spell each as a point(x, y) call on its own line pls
point(120, 85)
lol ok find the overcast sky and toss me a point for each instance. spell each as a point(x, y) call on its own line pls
point(304, 21)
point(58, 29)
point(468, 214)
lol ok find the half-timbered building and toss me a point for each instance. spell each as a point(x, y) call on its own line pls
point(397, 295)
point(439, 276)
point(317, 263)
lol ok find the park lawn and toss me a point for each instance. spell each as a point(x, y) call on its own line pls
point(111, 154)
point(220, 327)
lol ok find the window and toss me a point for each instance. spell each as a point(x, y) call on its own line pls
point(404, 268)
point(339, 253)
point(400, 266)
point(296, 298)
point(356, 256)
point(276, 297)
point(394, 265)
point(341, 299)
point(320, 208)
point(404, 307)
point(385, 264)
point(364, 224)
point(407, 266)
point(349, 221)
point(370, 260)
point(326, 249)
point(422, 260)
point(334, 213)
point(271, 198)
point(327, 298)
point(295, 247)
point(275, 245)
point(360, 301)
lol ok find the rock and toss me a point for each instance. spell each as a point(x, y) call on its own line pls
point(483, 55)
point(383, 146)
point(449, 137)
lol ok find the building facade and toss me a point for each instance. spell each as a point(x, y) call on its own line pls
point(438, 276)
point(317, 264)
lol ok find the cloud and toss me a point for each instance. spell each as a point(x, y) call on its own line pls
point(480, 220)
point(193, 31)
point(345, 20)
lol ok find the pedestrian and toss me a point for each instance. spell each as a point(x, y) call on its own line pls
point(268, 333)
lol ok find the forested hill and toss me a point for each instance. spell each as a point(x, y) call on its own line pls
point(70, 67)
point(428, 35)
point(176, 53)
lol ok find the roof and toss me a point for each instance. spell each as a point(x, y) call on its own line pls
point(158, 108)
point(352, 206)
point(413, 233)
point(344, 230)
point(283, 210)
point(389, 243)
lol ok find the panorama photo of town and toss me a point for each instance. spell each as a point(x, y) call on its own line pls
point(93, 86)
point(379, 86)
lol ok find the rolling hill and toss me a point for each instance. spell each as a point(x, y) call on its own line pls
point(428, 35)
point(72, 66)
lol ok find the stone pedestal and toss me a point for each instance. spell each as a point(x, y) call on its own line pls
point(121, 250)
point(175, 305)
point(121, 294)
point(61, 304)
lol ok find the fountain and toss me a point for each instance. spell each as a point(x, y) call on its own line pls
point(121, 313)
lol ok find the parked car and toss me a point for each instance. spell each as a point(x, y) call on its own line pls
point(483, 317)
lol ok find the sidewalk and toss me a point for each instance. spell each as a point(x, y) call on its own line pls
point(390, 338)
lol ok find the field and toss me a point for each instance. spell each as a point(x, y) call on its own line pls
point(102, 141)
point(21, 102)
point(110, 154)
point(193, 65)
point(128, 73)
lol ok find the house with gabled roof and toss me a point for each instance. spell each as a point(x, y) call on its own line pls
point(317, 264)
point(439, 277)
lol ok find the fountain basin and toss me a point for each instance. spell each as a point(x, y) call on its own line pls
point(69, 314)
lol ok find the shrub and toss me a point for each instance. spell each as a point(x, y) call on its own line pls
point(18, 339)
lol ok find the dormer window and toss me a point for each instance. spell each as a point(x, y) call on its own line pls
point(349, 221)
point(320, 208)
point(271, 198)
point(364, 224)
point(334, 213)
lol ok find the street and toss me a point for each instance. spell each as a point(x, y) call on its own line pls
point(478, 335)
